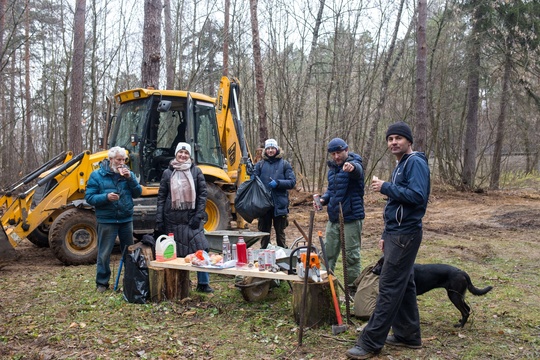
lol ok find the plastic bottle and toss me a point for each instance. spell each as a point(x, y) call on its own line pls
point(233, 252)
point(241, 250)
point(226, 246)
point(165, 248)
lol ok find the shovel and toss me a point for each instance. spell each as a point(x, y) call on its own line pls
point(340, 327)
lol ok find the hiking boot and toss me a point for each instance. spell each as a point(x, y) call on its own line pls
point(358, 353)
point(205, 288)
point(391, 340)
point(101, 288)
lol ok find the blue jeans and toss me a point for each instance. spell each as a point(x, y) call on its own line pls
point(203, 278)
point(396, 306)
point(107, 234)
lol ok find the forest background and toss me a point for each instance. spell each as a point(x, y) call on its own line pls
point(463, 73)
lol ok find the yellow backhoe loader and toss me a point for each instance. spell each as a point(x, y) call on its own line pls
point(148, 123)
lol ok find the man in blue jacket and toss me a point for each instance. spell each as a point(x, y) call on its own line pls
point(408, 193)
point(111, 190)
point(278, 176)
point(345, 187)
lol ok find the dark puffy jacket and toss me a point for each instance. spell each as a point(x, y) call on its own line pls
point(188, 240)
point(104, 181)
point(408, 194)
point(346, 188)
point(276, 168)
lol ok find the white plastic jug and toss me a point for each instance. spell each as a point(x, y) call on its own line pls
point(165, 248)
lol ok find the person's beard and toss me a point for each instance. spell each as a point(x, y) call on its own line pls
point(114, 168)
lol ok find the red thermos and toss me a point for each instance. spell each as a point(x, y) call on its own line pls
point(241, 250)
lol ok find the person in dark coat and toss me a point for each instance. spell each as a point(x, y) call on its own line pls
point(345, 187)
point(110, 190)
point(181, 204)
point(408, 193)
point(278, 176)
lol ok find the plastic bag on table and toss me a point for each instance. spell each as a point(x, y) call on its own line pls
point(136, 280)
point(253, 200)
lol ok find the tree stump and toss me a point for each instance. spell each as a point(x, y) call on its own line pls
point(157, 283)
point(176, 284)
point(319, 304)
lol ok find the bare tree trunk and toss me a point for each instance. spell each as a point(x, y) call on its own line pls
point(3, 108)
point(226, 39)
point(261, 105)
point(421, 88)
point(31, 161)
point(77, 78)
point(473, 85)
point(497, 150)
point(151, 44)
point(169, 60)
point(2, 24)
point(388, 71)
point(92, 120)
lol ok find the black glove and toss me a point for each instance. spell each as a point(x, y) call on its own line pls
point(159, 227)
point(195, 222)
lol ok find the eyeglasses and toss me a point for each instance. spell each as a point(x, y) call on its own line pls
point(120, 159)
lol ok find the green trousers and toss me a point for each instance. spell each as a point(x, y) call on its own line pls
point(353, 240)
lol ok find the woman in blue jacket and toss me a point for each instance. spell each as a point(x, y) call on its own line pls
point(277, 174)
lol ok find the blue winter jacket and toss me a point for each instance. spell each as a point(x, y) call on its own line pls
point(346, 188)
point(278, 169)
point(104, 181)
point(408, 194)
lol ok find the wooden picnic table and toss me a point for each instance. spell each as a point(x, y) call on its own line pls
point(171, 278)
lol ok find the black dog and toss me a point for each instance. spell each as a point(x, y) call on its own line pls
point(456, 282)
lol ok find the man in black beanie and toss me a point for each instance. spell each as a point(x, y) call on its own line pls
point(408, 194)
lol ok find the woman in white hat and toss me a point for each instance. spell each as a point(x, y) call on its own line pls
point(181, 208)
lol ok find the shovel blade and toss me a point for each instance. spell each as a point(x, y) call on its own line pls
point(338, 329)
point(7, 252)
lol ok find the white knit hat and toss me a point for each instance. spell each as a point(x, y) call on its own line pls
point(183, 146)
point(270, 143)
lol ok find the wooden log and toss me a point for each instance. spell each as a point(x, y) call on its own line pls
point(176, 284)
point(146, 250)
point(319, 306)
point(157, 283)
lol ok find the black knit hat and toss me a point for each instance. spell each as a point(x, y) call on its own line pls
point(337, 144)
point(400, 128)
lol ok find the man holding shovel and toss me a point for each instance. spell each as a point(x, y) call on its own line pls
point(408, 194)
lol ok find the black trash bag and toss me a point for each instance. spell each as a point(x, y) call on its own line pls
point(136, 280)
point(253, 200)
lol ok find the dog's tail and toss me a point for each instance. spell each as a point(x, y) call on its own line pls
point(474, 290)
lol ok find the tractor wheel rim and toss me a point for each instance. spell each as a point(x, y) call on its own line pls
point(81, 239)
point(213, 216)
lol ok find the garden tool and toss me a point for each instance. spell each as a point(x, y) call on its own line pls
point(344, 258)
point(305, 287)
point(340, 327)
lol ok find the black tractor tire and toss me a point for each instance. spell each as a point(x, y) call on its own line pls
point(218, 209)
point(40, 236)
point(73, 237)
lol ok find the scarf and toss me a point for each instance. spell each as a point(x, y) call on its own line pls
point(182, 186)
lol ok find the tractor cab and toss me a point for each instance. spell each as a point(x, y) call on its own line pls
point(149, 124)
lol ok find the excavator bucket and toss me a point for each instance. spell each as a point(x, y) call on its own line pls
point(7, 252)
